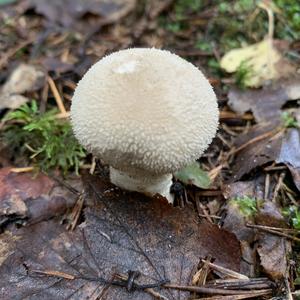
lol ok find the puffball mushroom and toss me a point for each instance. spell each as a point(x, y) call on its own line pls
point(147, 113)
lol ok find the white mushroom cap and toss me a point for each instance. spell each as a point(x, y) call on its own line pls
point(145, 111)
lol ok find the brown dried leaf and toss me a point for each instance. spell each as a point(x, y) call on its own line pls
point(279, 146)
point(120, 233)
point(269, 214)
point(68, 12)
point(265, 103)
point(257, 153)
point(290, 154)
point(273, 252)
point(34, 198)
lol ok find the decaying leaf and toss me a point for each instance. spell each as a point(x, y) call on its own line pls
point(121, 233)
point(262, 60)
point(269, 145)
point(273, 252)
point(70, 11)
point(23, 196)
point(290, 154)
point(25, 78)
point(266, 103)
point(193, 174)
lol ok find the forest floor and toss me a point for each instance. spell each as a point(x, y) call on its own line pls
point(234, 232)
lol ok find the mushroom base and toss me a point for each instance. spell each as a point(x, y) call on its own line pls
point(148, 184)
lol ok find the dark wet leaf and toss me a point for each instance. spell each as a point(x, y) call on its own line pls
point(120, 233)
point(259, 152)
point(193, 174)
point(235, 221)
point(265, 103)
point(273, 252)
point(269, 214)
point(278, 146)
point(34, 198)
point(69, 11)
point(56, 65)
point(290, 154)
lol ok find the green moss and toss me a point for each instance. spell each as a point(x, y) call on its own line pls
point(47, 141)
point(246, 205)
point(288, 120)
point(292, 213)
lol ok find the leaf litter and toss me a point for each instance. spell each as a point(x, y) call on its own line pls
point(208, 248)
point(120, 234)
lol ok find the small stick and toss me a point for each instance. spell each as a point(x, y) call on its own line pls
point(56, 95)
point(238, 297)
point(76, 211)
point(211, 216)
point(200, 276)
point(266, 229)
point(93, 166)
point(278, 186)
point(155, 294)
point(225, 271)
point(22, 170)
point(55, 273)
point(211, 291)
point(267, 186)
point(259, 138)
point(274, 228)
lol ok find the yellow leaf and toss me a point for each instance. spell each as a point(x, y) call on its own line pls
point(260, 58)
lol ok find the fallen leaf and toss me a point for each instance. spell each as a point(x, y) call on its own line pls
point(25, 78)
point(269, 247)
point(70, 11)
point(256, 153)
point(37, 198)
point(290, 155)
point(267, 102)
point(251, 188)
point(56, 65)
point(279, 147)
point(273, 252)
point(235, 221)
point(193, 174)
point(263, 60)
point(269, 214)
point(120, 233)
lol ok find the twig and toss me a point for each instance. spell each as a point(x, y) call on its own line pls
point(55, 274)
point(278, 186)
point(211, 291)
point(259, 138)
point(76, 212)
point(251, 294)
point(225, 271)
point(22, 170)
point(266, 229)
point(57, 96)
point(200, 277)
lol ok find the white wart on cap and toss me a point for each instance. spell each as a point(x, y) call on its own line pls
point(147, 113)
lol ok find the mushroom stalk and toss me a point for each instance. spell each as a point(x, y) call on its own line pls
point(149, 184)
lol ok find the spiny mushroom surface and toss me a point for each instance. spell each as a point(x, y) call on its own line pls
point(147, 113)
